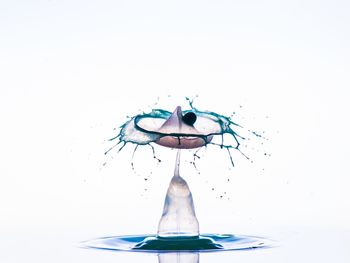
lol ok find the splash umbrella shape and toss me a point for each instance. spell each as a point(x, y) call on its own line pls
point(187, 129)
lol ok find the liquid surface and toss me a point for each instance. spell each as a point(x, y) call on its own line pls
point(155, 244)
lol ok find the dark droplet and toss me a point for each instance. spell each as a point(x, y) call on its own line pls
point(189, 118)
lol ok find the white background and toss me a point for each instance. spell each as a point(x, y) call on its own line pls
point(71, 71)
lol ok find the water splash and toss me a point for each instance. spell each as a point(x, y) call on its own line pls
point(178, 228)
point(180, 129)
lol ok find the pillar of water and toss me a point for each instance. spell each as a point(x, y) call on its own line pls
point(179, 217)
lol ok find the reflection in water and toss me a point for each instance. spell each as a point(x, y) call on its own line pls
point(178, 258)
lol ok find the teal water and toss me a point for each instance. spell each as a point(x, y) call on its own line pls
point(144, 129)
point(155, 244)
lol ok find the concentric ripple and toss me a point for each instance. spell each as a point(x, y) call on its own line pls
point(155, 244)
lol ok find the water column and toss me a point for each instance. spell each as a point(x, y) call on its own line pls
point(179, 217)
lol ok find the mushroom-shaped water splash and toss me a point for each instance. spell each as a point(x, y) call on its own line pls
point(182, 130)
point(178, 228)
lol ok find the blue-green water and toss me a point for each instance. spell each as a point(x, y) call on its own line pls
point(186, 129)
point(155, 244)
